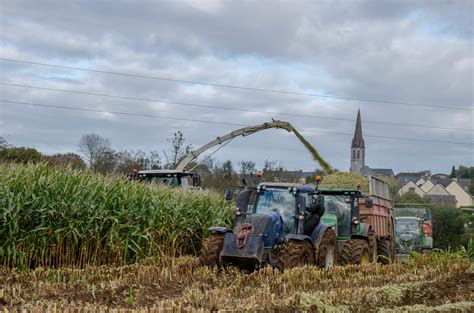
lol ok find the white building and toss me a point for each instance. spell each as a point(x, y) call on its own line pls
point(444, 191)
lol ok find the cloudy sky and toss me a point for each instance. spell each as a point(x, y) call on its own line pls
point(419, 53)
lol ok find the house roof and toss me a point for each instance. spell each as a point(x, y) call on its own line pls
point(410, 184)
point(442, 181)
point(413, 174)
point(358, 140)
point(383, 171)
point(438, 189)
point(443, 199)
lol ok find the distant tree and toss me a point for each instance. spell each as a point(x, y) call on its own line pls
point(70, 159)
point(448, 228)
point(20, 155)
point(96, 150)
point(247, 167)
point(106, 162)
point(126, 161)
point(217, 177)
point(4, 143)
point(471, 187)
point(465, 172)
point(248, 172)
point(269, 165)
point(453, 172)
point(410, 197)
point(228, 170)
point(179, 149)
point(311, 178)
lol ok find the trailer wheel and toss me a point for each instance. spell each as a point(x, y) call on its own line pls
point(384, 251)
point(295, 253)
point(393, 249)
point(211, 250)
point(372, 246)
point(327, 250)
point(355, 251)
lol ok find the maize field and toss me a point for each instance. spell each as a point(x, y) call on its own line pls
point(439, 282)
point(55, 217)
point(75, 241)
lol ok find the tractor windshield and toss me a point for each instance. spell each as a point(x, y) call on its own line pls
point(337, 205)
point(407, 226)
point(166, 180)
point(277, 200)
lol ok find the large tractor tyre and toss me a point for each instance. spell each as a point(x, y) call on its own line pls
point(211, 250)
point(372, 246)
point(355, 251)
point(384, 251)
point(295, 253)
point(327, 251)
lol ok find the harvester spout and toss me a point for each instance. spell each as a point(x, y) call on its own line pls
point(245, 131)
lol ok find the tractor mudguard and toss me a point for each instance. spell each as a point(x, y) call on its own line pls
point(219, 230)
point(247, 255)
point(362, 232)
point(298, 237)
point(318, 232)
point(427, 243)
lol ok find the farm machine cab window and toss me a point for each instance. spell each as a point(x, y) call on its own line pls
point(281, 200)
point(407, 226)
point(171, 180)
point(340, 206)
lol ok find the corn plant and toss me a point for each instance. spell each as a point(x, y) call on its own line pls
point(61, 216)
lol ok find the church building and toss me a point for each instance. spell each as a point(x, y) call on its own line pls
point(358, 155)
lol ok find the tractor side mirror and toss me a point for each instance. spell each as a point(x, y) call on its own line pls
point(317, 205)
point(369, 202)
point(318, 200)
point(243, 199)
point(229, 195)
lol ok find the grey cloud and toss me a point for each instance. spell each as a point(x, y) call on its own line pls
point(410, 51)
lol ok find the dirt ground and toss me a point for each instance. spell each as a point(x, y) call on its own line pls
point(426, 283)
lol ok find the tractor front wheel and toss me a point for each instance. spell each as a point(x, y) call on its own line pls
point(295, 253)
point(355, 251)
point(327, 251)
point(211, 250)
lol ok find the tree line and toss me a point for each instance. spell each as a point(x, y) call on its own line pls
point(96, 153)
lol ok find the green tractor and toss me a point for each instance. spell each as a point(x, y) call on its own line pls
point(412, 235)
point(356, 239)
point(276, 224)
point(414, 229)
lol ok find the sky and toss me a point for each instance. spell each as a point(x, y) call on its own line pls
point(415, 57)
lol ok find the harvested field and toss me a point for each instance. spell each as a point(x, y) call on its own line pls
point(437, 282)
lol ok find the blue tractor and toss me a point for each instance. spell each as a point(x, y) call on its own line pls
point(276, 224)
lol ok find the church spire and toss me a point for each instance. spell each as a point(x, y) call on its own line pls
point(358, 140)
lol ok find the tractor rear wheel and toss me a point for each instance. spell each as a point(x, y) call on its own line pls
point(384, 251)
point(355, 251)
point(211, 250)
point(327, 251)
point(372, 246)
point(295, 253)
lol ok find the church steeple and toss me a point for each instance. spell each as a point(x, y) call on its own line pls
point(358, 148)
point(358, 140)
